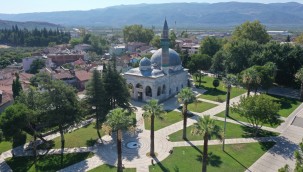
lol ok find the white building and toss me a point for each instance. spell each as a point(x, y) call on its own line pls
point(159, 78)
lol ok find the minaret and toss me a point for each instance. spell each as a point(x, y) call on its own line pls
point(165, 48)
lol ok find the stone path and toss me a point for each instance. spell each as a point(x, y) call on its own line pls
point(105, 153)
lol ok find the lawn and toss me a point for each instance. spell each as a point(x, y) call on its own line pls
point(218, 94)
point(108, 168)
point(82, 137)
point(237, 117)
point(7, 145)
point(200, 106)
point(288, 105)
point(232, 131)
point(46, 163)
point(167, 119)
point(235, 158)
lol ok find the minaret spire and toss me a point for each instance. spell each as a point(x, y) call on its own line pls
point(165, 48)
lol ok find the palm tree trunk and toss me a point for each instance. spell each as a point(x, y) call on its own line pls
point(119, 149)
point(205, 153)
point(184, 120)
point(152, 135)
point(248, 90)
point(62, 142)
point(227, 100)
point(301, 92)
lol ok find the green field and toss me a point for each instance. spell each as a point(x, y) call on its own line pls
point(167, 119)
point(236, 158)
point(232, 131)
point(218, 94)
point(200, 106)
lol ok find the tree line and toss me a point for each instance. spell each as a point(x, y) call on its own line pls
point(33, 38)
point(249, 46)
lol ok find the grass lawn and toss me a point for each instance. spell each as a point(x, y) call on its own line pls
point(46, 163)
point(218, 94)
point(288, 105)
point(200, 106)
point(108, 168)
point(234, 159)
point(85, 136)
point(236, 116)
point(7, 145)
point(167, 119)
point(232, 131)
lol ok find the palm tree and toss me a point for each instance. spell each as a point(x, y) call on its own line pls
point(228, 81)
point(250, 77)
point(299, 76)
point(118, 120)
point(207, 128)
point(152, 109)
point(185, 97)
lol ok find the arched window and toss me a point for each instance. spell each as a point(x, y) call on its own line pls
point(181, 85)
point(159, 91)
point(139, 86)
point(163, 89)
point(148, 91)
point(170, 91)
point(177, 89)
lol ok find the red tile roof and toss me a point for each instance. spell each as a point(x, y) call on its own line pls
point(83, 75)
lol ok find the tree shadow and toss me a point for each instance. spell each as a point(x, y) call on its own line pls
point(91, 142)
point(194, 146)
point(249, 132)
point(164, 169)
point(213, 160)
point(236, 160)
point(283, 147)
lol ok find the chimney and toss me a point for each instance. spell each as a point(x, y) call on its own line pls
point(1, 94)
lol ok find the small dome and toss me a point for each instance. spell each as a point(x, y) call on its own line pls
point(145, 64)
point(174, 58)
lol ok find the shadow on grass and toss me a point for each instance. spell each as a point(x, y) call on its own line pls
point(164, 169)
point(286, 103)
point(213, 160)
point(249, 132)
point(214, 92)
point(192, 145)
point(90, 142)
point(236, 160)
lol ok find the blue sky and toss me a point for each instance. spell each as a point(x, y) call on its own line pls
point(24, 6)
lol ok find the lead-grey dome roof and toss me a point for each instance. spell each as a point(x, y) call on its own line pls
point(145, 62)
point(174, 58)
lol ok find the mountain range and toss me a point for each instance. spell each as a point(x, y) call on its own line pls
point(28, 25)
point(182, 14)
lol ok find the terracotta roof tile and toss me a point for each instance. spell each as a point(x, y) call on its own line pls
point(83, 75)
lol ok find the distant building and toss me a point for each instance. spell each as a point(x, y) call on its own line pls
point(60, 59)
point(6, 99)
point(27, 62)
point(117, 50)
point(275, 32)
point(82, 77)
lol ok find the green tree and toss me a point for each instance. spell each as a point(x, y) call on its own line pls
point(217, 62)
point(64, 108)
point(216, 83)
point(253, 31)
point(118, 120)
point(185, 96)
point(75, 41)
point(152, 109)
point(207, 128)
point(299, 39)
point(199, 62)
point(40, 78)
point(136, 33)
point(155, 42)
point(258, 110)
point(95, 98)
point(36, 65)
point(210, 45)
point(16, 86)
point(299, 76)
point(172, 39)
point(250, 78)
point(117, 93)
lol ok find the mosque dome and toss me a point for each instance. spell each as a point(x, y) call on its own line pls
point(145, 64)
point(174, 58)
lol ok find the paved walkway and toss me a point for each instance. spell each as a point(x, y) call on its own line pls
point(105, 153)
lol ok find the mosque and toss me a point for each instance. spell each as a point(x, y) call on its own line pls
point(159, 78)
